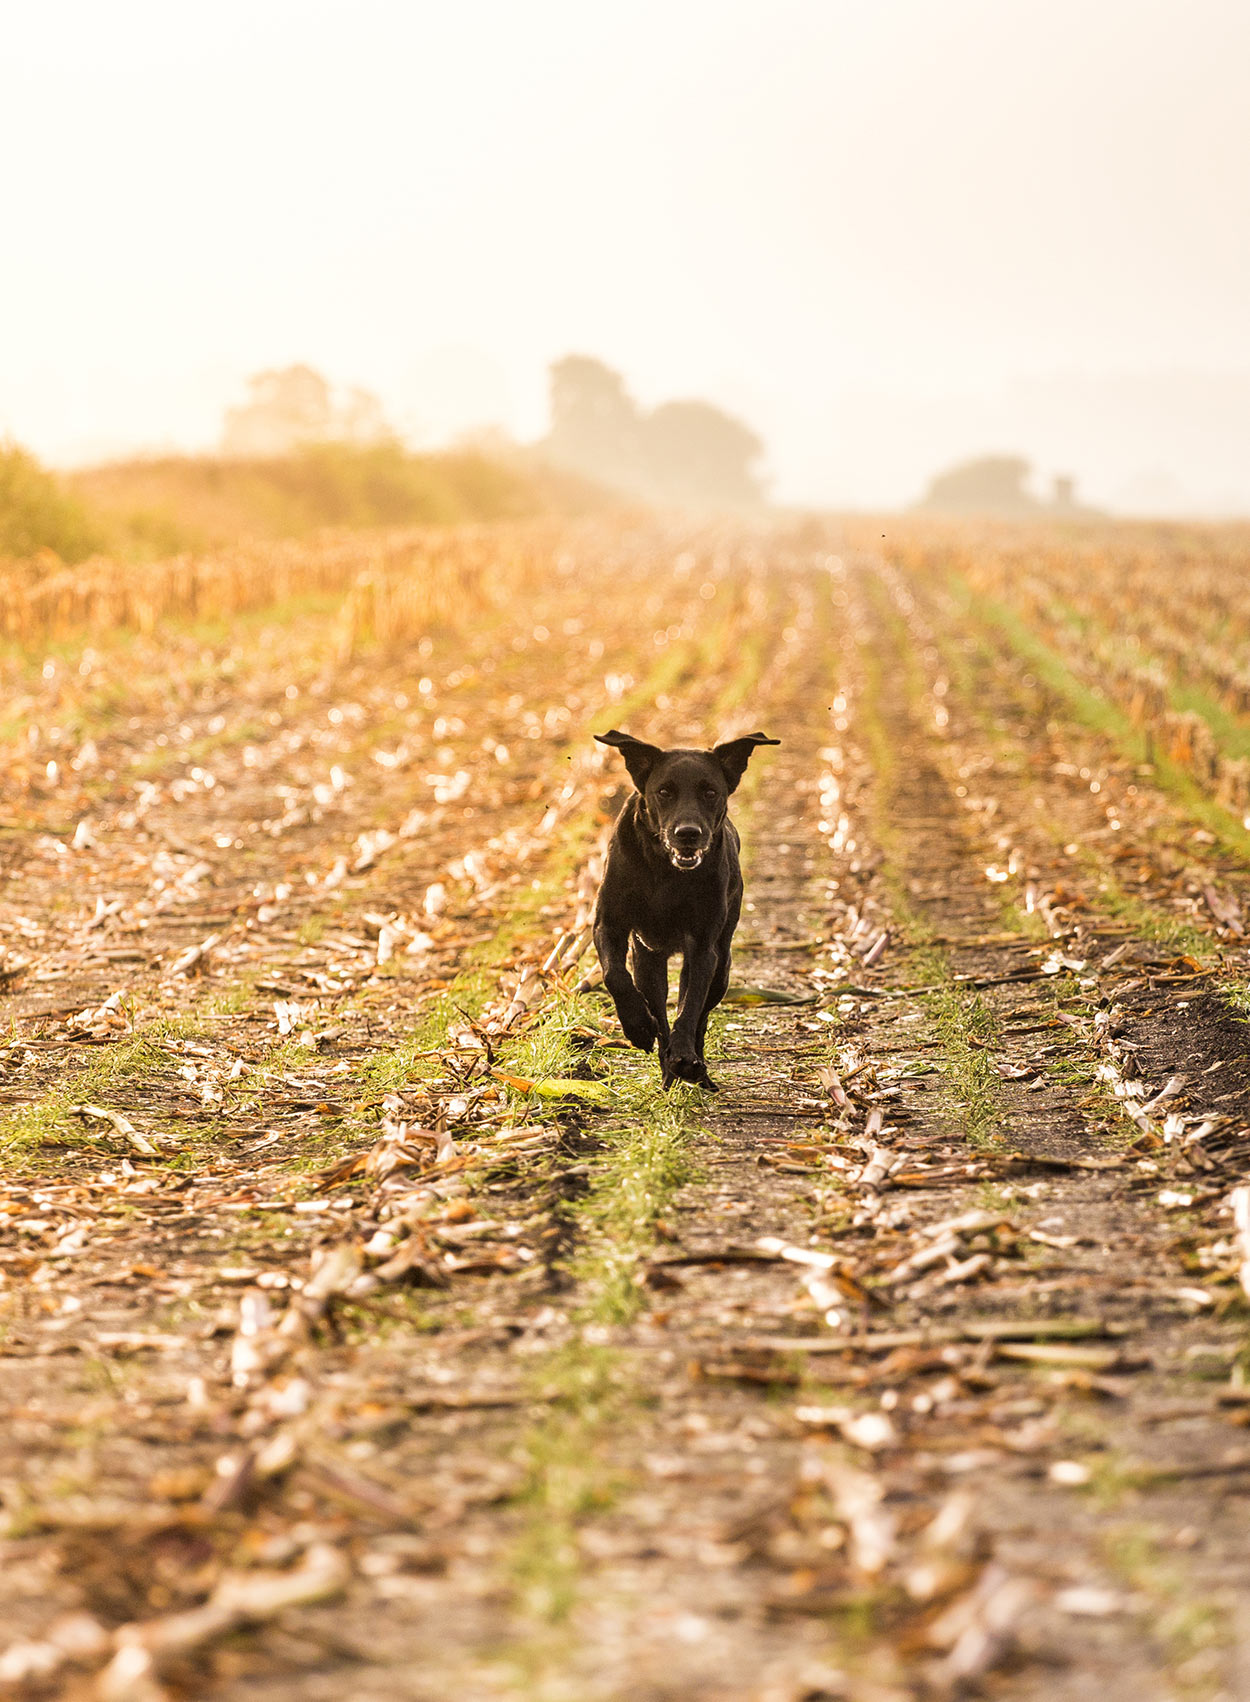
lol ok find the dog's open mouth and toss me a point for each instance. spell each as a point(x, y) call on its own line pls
point(684, 859)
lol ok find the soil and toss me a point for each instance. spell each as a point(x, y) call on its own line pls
point(688, 1399)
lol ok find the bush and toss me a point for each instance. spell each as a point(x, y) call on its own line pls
point(38, 513)
point(196, 502)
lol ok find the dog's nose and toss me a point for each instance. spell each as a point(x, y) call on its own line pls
point(688, 838)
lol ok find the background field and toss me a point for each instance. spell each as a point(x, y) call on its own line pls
point(373, 1326)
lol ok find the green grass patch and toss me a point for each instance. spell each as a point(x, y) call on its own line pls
point(545, 1050)
point(643, 1160)
point(108, 1075)
point(117, 1063)
point(25, 1128)
point(643, 1167)
point(590, 1387)
point(234, 999)
point(1101, 716)
point(1073, 1072)
point(1149, 922)
point(1229, 730)
point(967, 1030)
point(1183, 1622)
point(961, 1019)
point(567, 1478)
point(971, 662)
point(969, 1035)
point(1029, 924)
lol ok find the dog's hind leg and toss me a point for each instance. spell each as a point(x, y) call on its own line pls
point(715, 993)
point(650, 971)
point(717, 989)
point(682, 1059)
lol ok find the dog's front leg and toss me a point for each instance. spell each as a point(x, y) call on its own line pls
point(682, 1059)
point(612, 945)
point(650, 974)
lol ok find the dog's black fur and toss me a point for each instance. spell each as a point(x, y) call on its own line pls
point(672, 884)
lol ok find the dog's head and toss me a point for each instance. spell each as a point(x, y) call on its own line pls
point(685, 793)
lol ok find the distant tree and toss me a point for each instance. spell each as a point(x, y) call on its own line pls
point(360, 418)
point(294, 405)
point(695, 453)
point(594, 423)
point(991, 483)
point(285, 407)
point(681, 453)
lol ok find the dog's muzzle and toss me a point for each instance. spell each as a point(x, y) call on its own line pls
point(685, 857)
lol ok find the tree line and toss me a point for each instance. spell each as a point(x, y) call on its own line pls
point(687, 453)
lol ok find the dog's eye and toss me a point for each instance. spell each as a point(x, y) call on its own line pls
point(709, 792)
point(664, 792)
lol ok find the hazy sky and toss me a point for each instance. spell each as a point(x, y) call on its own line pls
point(867, 225)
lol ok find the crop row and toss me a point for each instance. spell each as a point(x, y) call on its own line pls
point(1151, 623)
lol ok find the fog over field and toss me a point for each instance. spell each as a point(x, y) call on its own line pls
point(885, 236)
point(625, 851)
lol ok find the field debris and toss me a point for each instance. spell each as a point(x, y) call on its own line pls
point(1239, 1201)
point(366, 1309)
point(145, 1147)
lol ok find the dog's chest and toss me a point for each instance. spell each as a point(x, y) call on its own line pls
point(671, 911)
point(667, 917)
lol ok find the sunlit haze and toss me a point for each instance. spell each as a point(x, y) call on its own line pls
point(885, 235)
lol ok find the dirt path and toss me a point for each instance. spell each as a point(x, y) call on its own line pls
point(891, 1372)
point(1164, 1538)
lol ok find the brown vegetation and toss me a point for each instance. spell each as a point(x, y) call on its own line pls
point(167, 504)
point(373, 1325)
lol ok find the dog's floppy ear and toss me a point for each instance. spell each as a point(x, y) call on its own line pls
point(734, 756)
point(640, 758)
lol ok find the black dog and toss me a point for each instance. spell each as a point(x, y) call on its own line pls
point(672, 884)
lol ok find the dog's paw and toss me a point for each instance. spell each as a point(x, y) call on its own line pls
point(700, 1078)
point(678, 1064)
point(640, 1031)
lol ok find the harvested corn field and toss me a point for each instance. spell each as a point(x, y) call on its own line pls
point(373, 1325)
